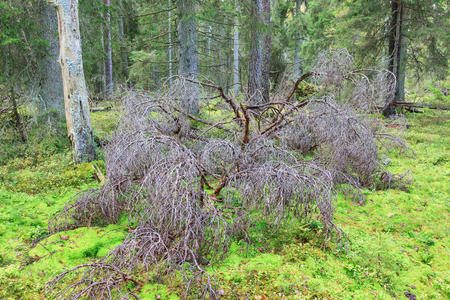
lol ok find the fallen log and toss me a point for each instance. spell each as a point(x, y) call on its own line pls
point(421, 105)
point(94, 109)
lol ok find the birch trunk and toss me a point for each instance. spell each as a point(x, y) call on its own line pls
point(78, 117)
point(51, 87)
point(188, 54)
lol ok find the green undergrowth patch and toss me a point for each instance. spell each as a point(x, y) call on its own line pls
point(104, 123)
point(36, 175)
point(32, 268)
point(396, 243)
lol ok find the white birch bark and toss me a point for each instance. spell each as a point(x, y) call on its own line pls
point(78, 117)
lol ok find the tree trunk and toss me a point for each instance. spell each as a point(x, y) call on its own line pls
point(236, 50)
point(260, 44)
point(51, 87)
point(267, 43)
point(169, 29)
point(297, 40)
point(123, 45)
point(102, 64)
point(108, 51)
point(392, 35)
point(17, 119)
point(401, 57)
point(255, 63)
point(397, 54)
point(78, 117)
point(188, 55)
point(208, 41)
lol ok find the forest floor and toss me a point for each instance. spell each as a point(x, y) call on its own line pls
point(398, 241)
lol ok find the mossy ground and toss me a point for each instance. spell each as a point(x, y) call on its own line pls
point(398, 241)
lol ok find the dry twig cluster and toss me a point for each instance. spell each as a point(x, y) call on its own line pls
point(194, 183)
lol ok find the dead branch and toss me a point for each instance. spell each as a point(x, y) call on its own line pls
point(158, 167)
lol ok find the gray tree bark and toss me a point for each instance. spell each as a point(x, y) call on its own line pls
point(267, 46)
point(51, 87)
point(169, 28)
point(236, 50)
point(188, 54)
point(108, 51)
point(259, 64)
point(298, 4)
point(401, 56)
point(78, 117)
point(123, 46)
point(255, 63)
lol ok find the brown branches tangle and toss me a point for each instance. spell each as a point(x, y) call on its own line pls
point(192, 184)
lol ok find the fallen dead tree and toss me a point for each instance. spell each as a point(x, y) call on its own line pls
point(192, 184)
point(412, 105)
point(109, 108)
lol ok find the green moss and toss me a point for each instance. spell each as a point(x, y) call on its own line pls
point(157, 291)
point(104, 123)
point(398, 241)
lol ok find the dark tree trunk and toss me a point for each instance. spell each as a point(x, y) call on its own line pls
point(267, 43)
point(188, 55)
point(17, 119)
point(260, 42)
point(397, 54)
point(51, 87)
point(169, 29)
point(123, 46)
point(297, 71)
point(255, 63)
point(392, 35)
point(236, 50)
point(401, 57)
point(108, 51)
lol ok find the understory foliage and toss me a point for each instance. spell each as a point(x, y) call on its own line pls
point(192, 184)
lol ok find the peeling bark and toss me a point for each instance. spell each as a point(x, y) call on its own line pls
point(78, 117)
